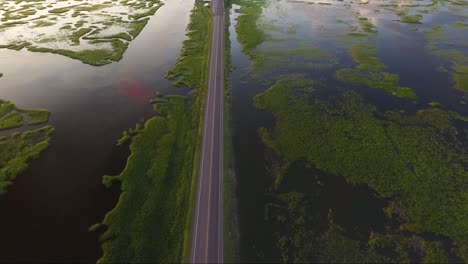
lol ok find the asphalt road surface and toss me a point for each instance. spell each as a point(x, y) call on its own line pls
point(207, 241)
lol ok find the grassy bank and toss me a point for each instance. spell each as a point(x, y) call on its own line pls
point(147, 223)
point(416, 161)
point(153, 218)
point(230, 211)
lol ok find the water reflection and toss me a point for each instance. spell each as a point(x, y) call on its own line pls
point(47, 211)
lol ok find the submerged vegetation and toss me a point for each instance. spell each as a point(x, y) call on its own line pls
point(152, 220)
point(17, 149)
point(416, 161)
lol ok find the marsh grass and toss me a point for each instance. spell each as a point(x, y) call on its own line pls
point(152, 220)
point(152, 209)
point(12, 116)
point(416, 161)
point(369, 72)
point(17, 150)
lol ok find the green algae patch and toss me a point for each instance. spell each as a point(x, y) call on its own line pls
point(369, 72)
point(17, 150)
point(416, 161)
point(190, 69)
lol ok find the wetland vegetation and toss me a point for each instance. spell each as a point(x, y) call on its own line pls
point(65, 28)
point(17, 149)
point(416, 161)
point(402, 146)
point(152, 220)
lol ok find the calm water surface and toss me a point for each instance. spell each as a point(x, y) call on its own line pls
point(46, 213)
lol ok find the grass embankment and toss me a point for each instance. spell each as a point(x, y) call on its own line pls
point(189, 69)
point(416, 161)
point(153, 218)
point(229, 204)
point(17, 149)
point(369, 70)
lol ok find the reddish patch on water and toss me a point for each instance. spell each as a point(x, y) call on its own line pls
point(133, 89)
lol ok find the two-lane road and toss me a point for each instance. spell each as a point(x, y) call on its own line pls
point(207, 241)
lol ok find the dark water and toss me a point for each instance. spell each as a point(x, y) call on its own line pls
point(334, 193)
point(45, 215)
point(357, 208)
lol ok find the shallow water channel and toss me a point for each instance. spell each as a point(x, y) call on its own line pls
point(46, 213)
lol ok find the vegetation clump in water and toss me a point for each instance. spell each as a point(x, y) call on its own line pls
point(17, 149)
point(369, 72)
point(12, 116)
point(416, 161)
point(248, 32)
